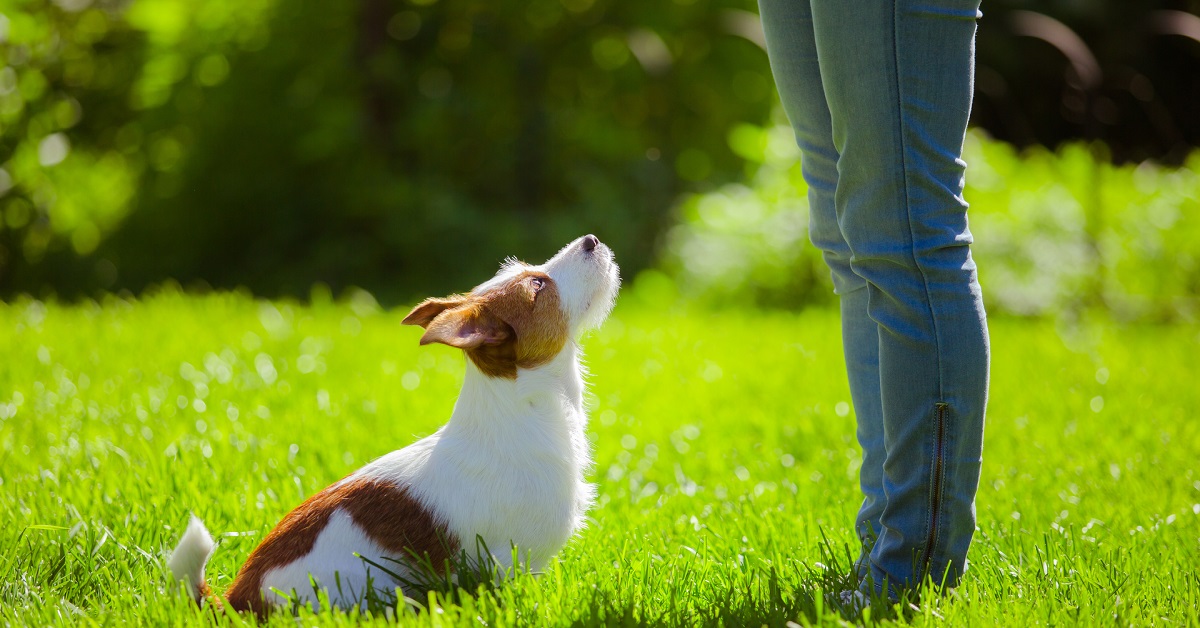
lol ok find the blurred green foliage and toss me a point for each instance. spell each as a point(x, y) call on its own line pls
point(1057, 233)
point(400, 146)
point(407, 146)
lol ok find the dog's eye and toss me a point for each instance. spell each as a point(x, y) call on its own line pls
point(538, 283)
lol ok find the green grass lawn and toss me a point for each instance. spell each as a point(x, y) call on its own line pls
point(724, 452)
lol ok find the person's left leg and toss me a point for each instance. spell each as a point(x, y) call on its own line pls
point(897, 77)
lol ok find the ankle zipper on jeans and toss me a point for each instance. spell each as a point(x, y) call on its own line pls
point(935, 501)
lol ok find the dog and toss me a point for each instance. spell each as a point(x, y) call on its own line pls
point(507, 469)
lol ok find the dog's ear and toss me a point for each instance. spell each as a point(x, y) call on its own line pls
point(467, 327)
point(429, 309)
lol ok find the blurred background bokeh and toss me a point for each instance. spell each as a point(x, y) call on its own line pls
point(405, 147)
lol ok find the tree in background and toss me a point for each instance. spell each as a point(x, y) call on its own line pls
point(399, 146)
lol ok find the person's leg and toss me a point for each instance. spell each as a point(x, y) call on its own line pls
point(897, 77)
point(793, 53)
point(860, 344)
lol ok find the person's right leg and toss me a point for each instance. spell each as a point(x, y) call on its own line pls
point(793, 53)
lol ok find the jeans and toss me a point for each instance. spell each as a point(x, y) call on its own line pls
point(879, 93)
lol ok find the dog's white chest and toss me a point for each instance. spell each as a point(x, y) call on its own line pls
point(515, 479)
point(533, 500)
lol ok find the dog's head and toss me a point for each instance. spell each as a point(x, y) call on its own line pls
point(524, 316)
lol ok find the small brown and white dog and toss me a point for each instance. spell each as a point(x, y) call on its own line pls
point(508, 468)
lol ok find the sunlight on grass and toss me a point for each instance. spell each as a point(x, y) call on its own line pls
point(724, 450)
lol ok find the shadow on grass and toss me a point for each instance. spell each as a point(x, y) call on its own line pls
point(769, 595)
point(804, 594)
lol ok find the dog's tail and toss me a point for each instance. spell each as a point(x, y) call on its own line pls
point(189, 558)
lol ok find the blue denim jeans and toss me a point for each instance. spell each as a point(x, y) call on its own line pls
point(879, 93)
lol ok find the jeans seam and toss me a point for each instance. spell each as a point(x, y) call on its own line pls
point(912, 240)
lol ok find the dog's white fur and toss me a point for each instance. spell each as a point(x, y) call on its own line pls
point(191, 555)
point(507, 468)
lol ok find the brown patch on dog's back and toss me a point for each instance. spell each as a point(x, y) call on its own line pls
point(387, 514)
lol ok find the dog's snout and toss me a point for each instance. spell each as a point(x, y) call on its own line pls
point(590, 242)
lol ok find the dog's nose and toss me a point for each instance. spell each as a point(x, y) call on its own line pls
point(589, 242)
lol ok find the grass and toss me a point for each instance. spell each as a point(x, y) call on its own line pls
point(724, 456)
